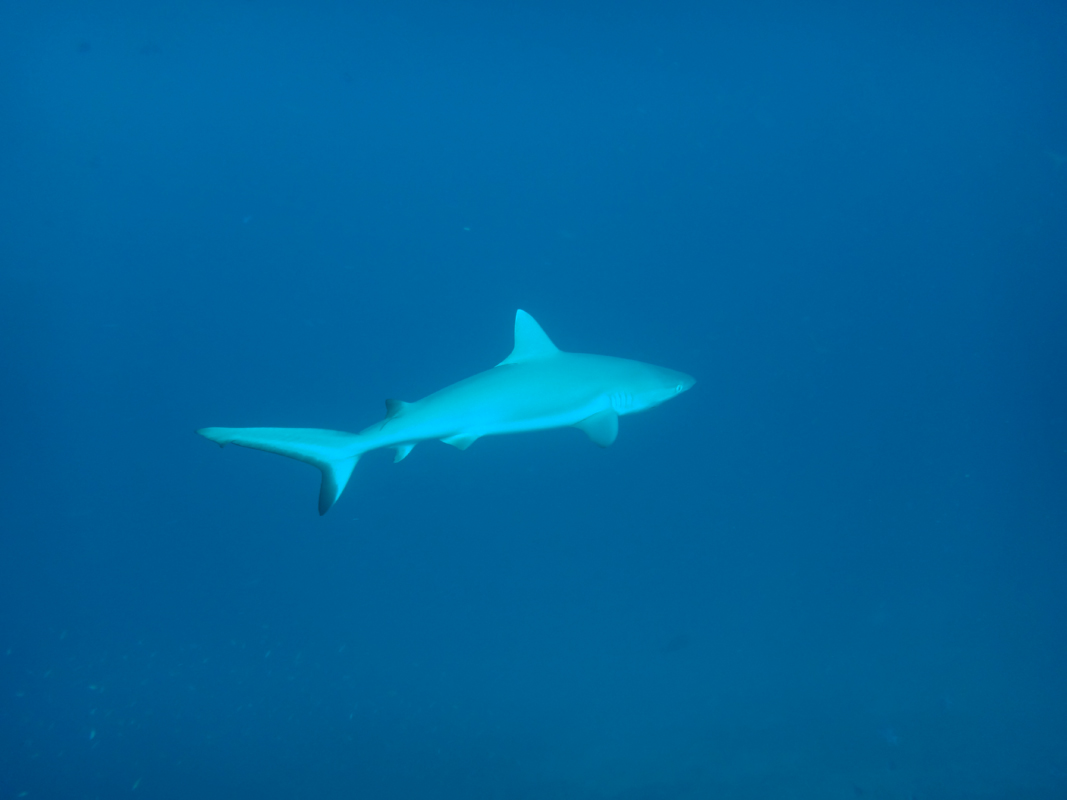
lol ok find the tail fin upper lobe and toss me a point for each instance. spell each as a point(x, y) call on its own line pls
point(335, 453)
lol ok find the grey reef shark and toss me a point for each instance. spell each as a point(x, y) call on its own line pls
point(535, 388)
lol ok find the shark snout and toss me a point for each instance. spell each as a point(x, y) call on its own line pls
point(683, 382)
point(672, 384)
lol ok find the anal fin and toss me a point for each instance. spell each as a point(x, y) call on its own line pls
point(461, 440)
point(602, 427)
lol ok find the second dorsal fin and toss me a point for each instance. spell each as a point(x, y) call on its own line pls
point(394, 408)
point(531, 342)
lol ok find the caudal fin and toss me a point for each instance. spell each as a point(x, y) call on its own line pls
point(335, 453)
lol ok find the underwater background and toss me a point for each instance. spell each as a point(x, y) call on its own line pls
point(834, 569)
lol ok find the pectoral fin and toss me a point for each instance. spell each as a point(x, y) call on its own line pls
point(602, 427)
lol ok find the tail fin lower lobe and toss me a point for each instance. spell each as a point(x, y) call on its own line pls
point(335, 453)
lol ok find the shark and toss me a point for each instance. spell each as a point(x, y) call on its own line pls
point(536, 388)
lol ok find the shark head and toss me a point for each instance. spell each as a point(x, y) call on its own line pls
point(648, 387)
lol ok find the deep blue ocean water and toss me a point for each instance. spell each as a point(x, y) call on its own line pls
point(834, 569)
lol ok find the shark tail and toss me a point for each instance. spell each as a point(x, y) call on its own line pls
point(335, 453)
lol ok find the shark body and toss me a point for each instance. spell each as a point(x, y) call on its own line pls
point(535, 388)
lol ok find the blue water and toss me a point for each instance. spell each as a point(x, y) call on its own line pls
point(834, 569)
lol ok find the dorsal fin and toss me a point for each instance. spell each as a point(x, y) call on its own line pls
point(394, 408)
point(530, 341)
